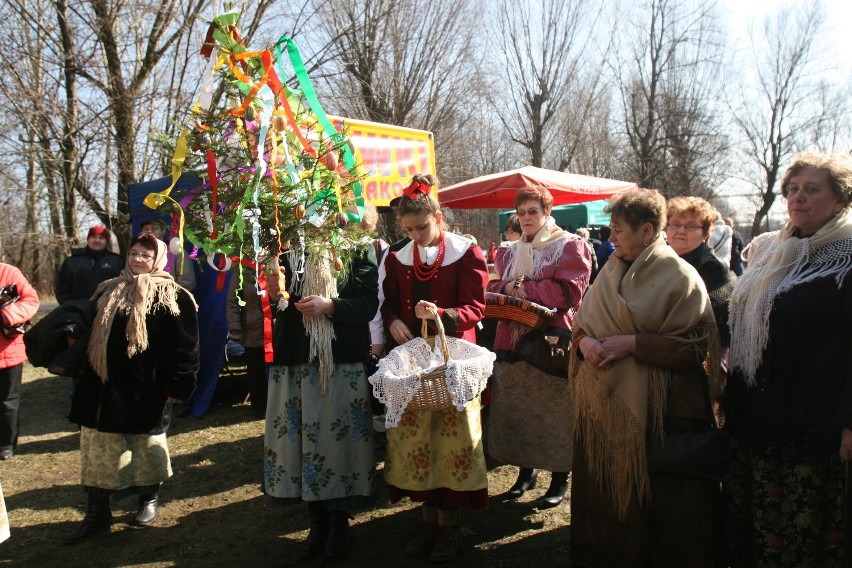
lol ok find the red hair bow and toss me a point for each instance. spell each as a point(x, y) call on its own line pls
point(416, 189)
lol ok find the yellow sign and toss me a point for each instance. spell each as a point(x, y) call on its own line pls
point(389, 155)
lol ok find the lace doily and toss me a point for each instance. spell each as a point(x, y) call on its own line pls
point(398, 377)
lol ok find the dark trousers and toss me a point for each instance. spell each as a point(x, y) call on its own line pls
point(10, 394)
point(256, 374)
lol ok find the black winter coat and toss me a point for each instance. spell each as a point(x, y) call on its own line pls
point(47, 344)
point(719, 283)
point(804, 382)
point(81, 273)
point(354, 308)
point(134, 399)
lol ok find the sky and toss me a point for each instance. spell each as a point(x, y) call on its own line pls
point(743, 14)
point(838, 41)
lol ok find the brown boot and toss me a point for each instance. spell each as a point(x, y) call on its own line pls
point(424, 540)
point(446, 539)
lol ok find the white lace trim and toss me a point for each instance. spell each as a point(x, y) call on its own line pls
point(398, 377)
point(454, 248)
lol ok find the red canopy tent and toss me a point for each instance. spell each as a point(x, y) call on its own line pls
point(497, 191)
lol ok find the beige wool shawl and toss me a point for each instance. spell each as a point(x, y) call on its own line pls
point(134, 295)
point(528, 258)
point(658, 293)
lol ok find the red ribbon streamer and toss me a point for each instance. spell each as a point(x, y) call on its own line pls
point(211, 175)
point(209, 43)
point(265, 304)
point(220, 278)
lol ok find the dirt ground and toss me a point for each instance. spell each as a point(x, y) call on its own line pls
point(212, 511)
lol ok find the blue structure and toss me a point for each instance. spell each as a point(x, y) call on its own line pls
point(212, 325)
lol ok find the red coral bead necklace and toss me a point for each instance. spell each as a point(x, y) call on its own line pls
point(422, 271)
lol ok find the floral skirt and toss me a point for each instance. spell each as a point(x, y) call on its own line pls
point(319, 447)
point(122, 461)
point(531, 422)
point(438, 455)
point(784, 499)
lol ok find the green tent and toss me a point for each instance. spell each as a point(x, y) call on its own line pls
point(588, 214)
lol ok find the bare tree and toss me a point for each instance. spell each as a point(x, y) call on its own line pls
point(402, 62)
point(668, 78)
point(31, 167)
point(544, 45)
point(786, 106)
point(128, 62)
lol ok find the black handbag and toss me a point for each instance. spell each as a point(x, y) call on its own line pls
point(546, 349)
point(705, 455)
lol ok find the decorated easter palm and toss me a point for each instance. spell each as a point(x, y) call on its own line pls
point(276, 175)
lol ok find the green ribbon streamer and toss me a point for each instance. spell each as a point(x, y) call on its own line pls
point(314, 104)
point(221, 33)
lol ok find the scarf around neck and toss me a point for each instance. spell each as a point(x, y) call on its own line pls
point(134, 295)
point(522, 262)
point(658, 293)
point(777, 262)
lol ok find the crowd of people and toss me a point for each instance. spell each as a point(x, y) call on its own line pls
point(704, 417)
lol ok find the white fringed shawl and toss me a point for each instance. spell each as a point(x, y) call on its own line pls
point(134, 295)
point(777, 262)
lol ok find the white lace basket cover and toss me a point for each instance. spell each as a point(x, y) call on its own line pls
point(398, 378)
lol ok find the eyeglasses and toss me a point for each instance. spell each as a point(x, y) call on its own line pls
point(675, 227)
point(141, 256)
point(531, 212)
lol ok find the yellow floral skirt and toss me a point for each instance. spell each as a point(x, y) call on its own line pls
point(438, 455)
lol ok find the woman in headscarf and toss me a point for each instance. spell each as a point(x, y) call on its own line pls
point(531, 417)
point(642, 340)
point(788, 403)
point(143, 356)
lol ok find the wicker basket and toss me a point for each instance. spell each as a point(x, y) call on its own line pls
point(433, 393)
point(500, 306)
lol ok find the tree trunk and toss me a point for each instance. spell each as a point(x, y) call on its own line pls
point(69, 126)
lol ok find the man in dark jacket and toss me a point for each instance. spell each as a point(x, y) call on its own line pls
point(87, 267)
point(605, 249)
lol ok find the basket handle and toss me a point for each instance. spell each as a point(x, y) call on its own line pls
point(424, 331)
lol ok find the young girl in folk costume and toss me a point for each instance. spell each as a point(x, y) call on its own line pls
point(435, 457)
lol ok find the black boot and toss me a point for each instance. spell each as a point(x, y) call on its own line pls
point(98, 515)
point(527, 477)
point(556, 492)
point(338, 535)
point(318, 535)
point(147, 510)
